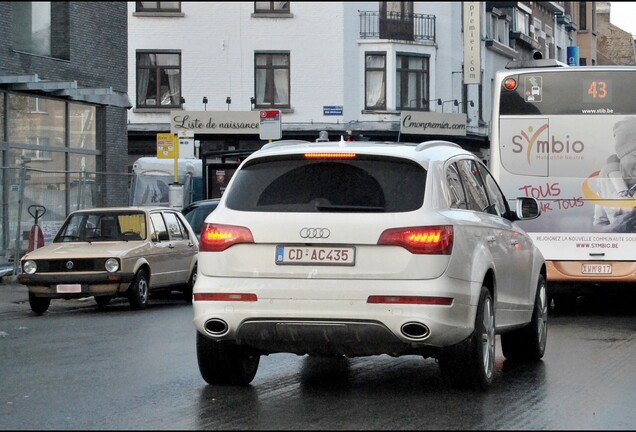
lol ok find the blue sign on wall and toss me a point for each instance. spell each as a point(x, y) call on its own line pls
point(332, 110)
point(573, 55)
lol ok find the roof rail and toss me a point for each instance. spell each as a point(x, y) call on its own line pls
point(521, 64)
point(436, 143)
point(282, 143)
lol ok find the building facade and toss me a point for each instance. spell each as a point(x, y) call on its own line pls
point(63, 111)
point(350, 69)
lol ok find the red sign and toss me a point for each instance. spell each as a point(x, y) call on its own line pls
point(270, 126)
point(270, 115)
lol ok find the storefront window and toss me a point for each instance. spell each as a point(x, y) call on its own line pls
point(27, 125)
point(51, 161)
point(82, 126)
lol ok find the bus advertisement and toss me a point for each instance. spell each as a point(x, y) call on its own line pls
point(567, 137)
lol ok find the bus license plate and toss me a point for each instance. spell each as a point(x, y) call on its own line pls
point(315, 255)
point(596, 269)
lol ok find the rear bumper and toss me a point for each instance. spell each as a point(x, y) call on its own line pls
point(332, 317)
point(571, 271)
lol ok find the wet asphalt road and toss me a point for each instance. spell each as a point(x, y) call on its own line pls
point(77, 367)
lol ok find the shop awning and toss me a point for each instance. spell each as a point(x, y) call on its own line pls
point(65, 89)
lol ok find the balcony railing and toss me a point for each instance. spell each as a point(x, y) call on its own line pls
point(397, 26)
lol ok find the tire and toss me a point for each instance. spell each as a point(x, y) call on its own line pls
point(225, 363)
point(103, 300)
point(139, 291)
point(187, 290)
point(471, 363)
point(39, 305)
point(528, 343)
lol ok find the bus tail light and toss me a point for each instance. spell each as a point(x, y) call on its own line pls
point(510, 84)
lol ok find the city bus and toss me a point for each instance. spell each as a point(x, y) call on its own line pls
point(566, 135)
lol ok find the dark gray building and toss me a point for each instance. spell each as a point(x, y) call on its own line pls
point(63, 113)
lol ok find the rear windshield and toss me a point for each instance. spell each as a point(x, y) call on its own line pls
point(295, 184)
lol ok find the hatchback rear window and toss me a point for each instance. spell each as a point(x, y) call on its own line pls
point(295, 184)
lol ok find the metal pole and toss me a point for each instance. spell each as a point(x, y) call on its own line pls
point(16, 258)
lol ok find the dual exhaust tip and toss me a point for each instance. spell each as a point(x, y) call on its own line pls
point(216, 326)
point(415, 330)
point(412, 330)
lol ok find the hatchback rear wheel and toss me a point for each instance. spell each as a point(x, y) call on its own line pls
point(471, 363)
point(226, 363)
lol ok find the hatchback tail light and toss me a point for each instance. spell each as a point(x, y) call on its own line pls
point(217, 238)
point(431, 240)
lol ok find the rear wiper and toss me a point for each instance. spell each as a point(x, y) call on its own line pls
point(349, 208)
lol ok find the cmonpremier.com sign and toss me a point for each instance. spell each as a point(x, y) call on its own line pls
point(430, 123)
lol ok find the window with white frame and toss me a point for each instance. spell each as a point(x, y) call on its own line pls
point(38, 155)
point(498, 29)
point(37, 105)
point(271, 7)
point(272, 80)
point(522, 22)
point(375, 81)
point(158, 79)
point(412, 78)
point(149, 6)
point(503, 31)
point(537, 28)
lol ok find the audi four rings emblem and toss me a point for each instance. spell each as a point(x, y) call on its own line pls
point(69, 265)
point(315, 233)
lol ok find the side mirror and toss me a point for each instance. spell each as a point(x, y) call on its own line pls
point(163, 236)
point(527, 208)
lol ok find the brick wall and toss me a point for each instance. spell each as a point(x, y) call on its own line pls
point(615, 46)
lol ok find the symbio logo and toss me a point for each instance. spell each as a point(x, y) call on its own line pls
point(530, 141)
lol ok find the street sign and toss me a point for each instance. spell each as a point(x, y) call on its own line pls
point(332, 110)
point(165, 146)
point(270, 127)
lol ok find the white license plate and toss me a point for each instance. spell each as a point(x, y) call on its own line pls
point(315, 255)
point(69, 288)
point(596, 269)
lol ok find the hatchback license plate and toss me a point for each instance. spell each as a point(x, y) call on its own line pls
point(69, 288)
point(312, 255)
point(596, 269)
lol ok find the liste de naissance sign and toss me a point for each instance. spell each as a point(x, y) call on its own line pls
point(215, 122)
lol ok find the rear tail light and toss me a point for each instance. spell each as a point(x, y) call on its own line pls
point(431, 240)
point(427, 300)
point(225, 297)
point(217, 238)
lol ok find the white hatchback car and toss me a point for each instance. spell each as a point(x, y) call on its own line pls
point(364, 248)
